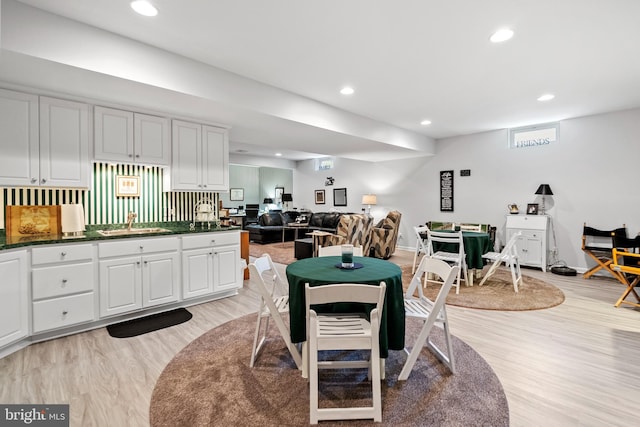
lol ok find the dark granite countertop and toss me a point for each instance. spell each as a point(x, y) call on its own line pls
point(91, 234)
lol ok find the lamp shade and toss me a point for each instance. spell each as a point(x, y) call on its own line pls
point(545, 190)
point(267, 200)
point(287, 197)
point(369, 199)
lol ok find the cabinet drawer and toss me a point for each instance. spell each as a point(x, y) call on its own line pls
point(137, 246)
point(211, 239)
point(64, 311)
point(62, 280)
point(536, 222)
point(61, 254)
point(536, 234)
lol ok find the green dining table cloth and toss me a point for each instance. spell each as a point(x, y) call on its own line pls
point(476, 244)
point(322, 271)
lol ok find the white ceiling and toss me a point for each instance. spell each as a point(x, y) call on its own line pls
point(408, 60)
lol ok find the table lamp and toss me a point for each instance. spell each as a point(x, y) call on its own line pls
point(286, 198)
point(544, 190)
point(369, 199)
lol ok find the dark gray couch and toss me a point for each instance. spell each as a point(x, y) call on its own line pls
point(270, 225)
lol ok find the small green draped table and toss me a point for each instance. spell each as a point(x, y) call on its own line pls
point(323, 271)
point(476, 244)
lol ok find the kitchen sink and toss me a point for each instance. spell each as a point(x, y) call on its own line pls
point(133, 231)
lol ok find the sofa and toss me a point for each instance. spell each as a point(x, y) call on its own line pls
point(270, 225)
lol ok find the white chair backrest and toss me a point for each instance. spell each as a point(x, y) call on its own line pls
point(510, 247)
point(445, 237)
point(421, 233)
point(336, 250)
point(345, 292)
point(446, 272)
point(265, 269)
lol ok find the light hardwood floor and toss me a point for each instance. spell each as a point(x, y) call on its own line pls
point(577, 364)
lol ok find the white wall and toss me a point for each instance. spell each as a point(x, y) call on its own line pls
point(592, 172)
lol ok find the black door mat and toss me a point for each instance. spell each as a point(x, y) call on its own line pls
point(132, 328)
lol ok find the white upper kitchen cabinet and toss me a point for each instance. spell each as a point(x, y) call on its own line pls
point(128, 137)
point(19, 140)
point(44, 142)
point(64, 143)
point(200, 157)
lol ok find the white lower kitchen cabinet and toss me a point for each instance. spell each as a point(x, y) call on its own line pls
point(14, 297)
point(211, 263)
point(62, 286)
point(136, 281)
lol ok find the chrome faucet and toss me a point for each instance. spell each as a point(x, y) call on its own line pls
point(132, 215)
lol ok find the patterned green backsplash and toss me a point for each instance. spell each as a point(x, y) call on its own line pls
point(101, 206)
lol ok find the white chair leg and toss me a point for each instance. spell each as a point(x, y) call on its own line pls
point(254, 350)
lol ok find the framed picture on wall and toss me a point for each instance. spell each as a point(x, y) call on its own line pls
point(279, 192)
point(339, 197)
point(236, 194)
point(127, 186)
point(319, 197)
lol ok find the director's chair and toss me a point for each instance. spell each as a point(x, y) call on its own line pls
point(598, 244)
point(626, 262)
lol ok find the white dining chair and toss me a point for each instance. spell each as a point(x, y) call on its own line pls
point(344, 331)
point(421, 244)
point(508, 255)
point(336, 250)
point(432, 313)
point(457, 258)
point(274, 303)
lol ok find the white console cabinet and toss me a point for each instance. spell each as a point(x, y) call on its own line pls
point(533, 244)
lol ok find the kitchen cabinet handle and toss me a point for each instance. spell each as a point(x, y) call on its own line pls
point(210, 253)
point(64, 282)
point(138, 262)
point(137, 155)
point(213, 241)
point(205, 186)
point(130, 155)
point(63, 254)
point(33, 180)
point(145, 263)
point(43, 180)
point(65, 312)
point(141, 247)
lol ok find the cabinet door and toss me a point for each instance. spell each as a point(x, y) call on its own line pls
point(186, 170)
point(113, 135)
point(120, 285)
point(197, 274)
point(215, 156)
point(226, 268)
point(64, 143)
point(159, 279)
point(14, 306)
point(151, 139)
point(19, 140)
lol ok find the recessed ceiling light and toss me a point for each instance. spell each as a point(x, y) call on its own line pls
point(546, 97)
point(278, 154)
point(347, 90)
point(501, 35)
point(143, 7)
point(425, 122)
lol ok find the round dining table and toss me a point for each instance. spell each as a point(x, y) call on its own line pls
point(320, 271)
